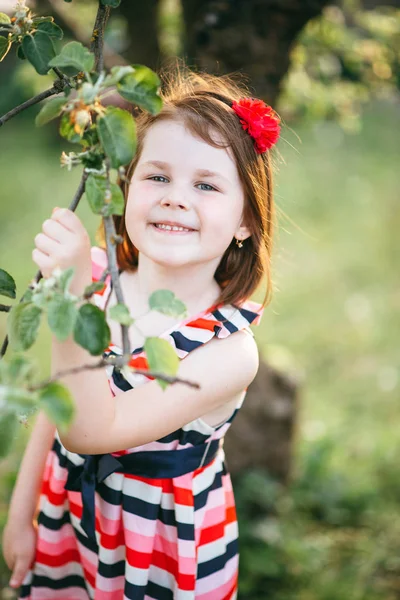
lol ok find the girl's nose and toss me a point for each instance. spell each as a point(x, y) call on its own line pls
point(175, 200)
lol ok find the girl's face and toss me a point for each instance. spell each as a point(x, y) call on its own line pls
point(181, 181)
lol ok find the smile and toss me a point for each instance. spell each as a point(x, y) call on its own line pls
point(175, 229)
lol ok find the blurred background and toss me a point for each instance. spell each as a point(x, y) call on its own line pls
point(316, 474)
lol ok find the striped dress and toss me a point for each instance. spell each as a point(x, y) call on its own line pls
point(165, 539)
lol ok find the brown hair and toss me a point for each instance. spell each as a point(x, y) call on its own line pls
point(203, 103)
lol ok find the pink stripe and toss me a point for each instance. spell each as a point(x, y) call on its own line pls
point(186, 564)
point(40, 593)
point(137, 524)
point(53, 537)
point(109, 517)
point(106, 588)
point(215, 516)
point(57, 481)
point(56, 548)
point(89, 559)
point(139, 541)
point(207, 588)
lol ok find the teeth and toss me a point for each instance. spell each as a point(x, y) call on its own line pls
point(170, 227)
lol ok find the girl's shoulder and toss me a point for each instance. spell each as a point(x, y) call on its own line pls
point(219, 321)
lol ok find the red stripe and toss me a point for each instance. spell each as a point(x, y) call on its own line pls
point(111, 542)
point(204, 324)
point(231, 514)
point(58, 560)
point(75, 509)
point(140, 560)
point(55, 499)
point(91, 578)
point(153, 482)
point(211, 534)
point(183, 496)
point(217, 531)
point(163, 561)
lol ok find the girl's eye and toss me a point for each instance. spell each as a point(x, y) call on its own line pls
point(158, 177)
point(211, 188)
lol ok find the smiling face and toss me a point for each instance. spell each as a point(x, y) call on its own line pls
point(181, 181)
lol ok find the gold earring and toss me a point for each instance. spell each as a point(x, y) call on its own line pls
point(239, 243)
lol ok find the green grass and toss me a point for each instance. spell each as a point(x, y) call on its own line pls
point(336, 266)
point(334, 322)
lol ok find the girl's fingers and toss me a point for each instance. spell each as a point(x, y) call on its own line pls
point(69, 220)
point(54, 230)
point(46, 245)
point(21, 568)
point(43, 261)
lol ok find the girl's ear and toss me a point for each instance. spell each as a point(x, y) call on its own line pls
point(242, 233)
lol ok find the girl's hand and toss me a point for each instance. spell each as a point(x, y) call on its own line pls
point(64, 242)
point(19, 548)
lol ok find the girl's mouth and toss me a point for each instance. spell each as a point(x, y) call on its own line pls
point(172, 229)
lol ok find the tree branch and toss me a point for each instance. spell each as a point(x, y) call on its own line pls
point(105, 362)
point(97, 40)
point(74, 29)
point(58, 86)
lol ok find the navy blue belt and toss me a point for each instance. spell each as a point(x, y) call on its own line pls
point(157, 464)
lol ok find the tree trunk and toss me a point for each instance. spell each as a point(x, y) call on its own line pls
point(142, 21)
point(251, 36)
point(262, 434)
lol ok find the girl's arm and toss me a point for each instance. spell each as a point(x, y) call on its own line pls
point(19, 535)
point(26, 491)
point(222, 367)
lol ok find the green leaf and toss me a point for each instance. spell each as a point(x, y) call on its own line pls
point(56, 400)
point(23, 325)
point(37, 20)
point(112, 3)
point(161, 357)
point(50, 110)
point(17, 398)
point(5, 45)
point(8, 432)
point(90, 137)
point(51, 29)
point(62, 314)
point(94, 159)
point(91, 329)
point(7, 285)
point(20, 52)
point(67, 130)
point(96, 188)
point(4, 19)
point(96, 286)
point(117, 132)
point(87, 92)
point(27, 296)
point(120, 313)
point(117, 73)
point(141, 88)
point(65, 278)
point(16, 370)
point(74, 55)
point(39, 50)
point(165, 301)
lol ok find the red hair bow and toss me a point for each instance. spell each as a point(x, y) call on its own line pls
point(259, 120)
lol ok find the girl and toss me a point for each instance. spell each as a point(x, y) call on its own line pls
point(135, 499)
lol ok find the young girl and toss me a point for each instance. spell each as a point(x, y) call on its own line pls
point(135, 500)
